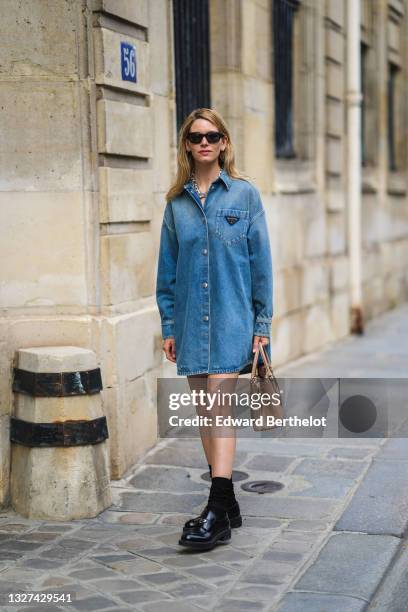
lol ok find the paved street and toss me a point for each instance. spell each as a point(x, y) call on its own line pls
point(323, 541)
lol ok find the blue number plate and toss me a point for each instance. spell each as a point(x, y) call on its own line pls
point(128, 62)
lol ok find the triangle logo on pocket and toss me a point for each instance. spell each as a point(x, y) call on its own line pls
point(231, 220)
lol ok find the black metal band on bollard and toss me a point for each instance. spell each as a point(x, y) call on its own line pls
point(57, 384)
point(62, 433)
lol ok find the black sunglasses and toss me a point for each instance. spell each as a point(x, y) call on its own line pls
point(212, 137)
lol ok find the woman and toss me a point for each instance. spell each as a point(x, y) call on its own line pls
point(214, 294)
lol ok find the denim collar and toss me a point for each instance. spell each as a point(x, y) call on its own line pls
point(224, 178)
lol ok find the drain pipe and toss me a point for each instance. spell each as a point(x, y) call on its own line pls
point(354, 98)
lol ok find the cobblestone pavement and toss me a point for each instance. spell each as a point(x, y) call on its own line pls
point(304, 547)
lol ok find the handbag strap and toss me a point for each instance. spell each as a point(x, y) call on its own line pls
point(268, 365)
point(260, 350)
point(255, 361)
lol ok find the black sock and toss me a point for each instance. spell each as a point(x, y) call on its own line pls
point(232, 498)
point(220, 492)
point(231, 493)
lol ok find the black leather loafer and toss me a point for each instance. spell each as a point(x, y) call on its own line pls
point(212, 528)
point(234, 515)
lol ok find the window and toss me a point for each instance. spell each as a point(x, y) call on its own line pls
point(283, 28)
point(364, 91)
point(393, 71)
point(370, 103)
point(192, 56)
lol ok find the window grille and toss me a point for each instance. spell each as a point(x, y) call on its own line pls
point(283, 21)
point(191, 56)
point(392, 81)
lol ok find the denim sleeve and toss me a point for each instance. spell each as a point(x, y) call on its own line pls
point(166, 273)
point(260, 258)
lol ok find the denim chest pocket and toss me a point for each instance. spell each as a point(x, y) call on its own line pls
point(231, 225)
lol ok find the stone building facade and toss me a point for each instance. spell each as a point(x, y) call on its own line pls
point(88, 153)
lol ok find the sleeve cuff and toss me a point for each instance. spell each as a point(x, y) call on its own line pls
point(168, 330)
point(262, 327)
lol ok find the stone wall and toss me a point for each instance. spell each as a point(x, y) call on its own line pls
point(134, 136)
point(85, 169)
point(45, 186)
point(385, 208)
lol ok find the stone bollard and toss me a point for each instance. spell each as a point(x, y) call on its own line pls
point(59, 454)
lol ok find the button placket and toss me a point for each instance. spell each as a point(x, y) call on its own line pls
point(205, 299)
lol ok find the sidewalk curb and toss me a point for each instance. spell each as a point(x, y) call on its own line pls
point(388, 595)
point(366, 551)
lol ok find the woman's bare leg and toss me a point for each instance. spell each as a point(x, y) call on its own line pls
point(223, 440)
point(198, 382)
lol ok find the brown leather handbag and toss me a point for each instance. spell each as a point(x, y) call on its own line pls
point(268, 385)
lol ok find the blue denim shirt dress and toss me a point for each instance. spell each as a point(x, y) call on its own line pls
point(214, 277)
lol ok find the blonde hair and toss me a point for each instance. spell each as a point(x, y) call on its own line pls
point(185, 161)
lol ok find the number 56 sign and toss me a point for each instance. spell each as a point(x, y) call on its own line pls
point(128, 61)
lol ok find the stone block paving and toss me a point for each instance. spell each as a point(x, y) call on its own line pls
point(128, 558)
point(305, 547)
